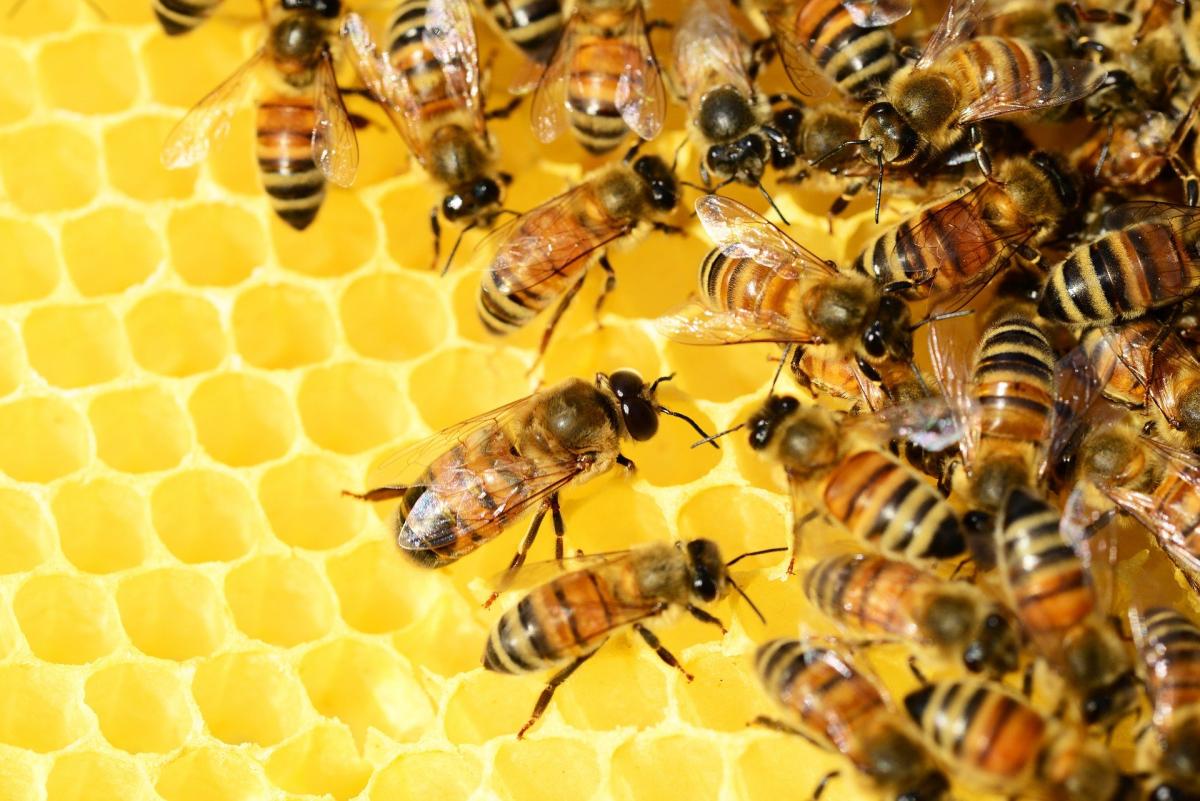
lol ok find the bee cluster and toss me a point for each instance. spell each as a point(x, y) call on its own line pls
point(1005, 374)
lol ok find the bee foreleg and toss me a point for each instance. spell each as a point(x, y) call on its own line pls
point(843, 200)
point(378, 494)
point(522, 551)
point(610, 283)
point(661, 649)
point(626, 462)
point(543, 700)
point(705, 617)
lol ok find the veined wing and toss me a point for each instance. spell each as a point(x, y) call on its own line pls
point(187, 143)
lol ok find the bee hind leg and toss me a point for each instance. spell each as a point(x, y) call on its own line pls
point(378, 494)
point(610, 283)
point(661, 650)
point(543, 700)
point(522, 551)
point(764, 722)
point(563, 305)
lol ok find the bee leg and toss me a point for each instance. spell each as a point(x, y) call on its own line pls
point(610, 283)
point(762, 53)
point(670, 230)
point(981, 155)
point(505, 111)
point(435, 226)
point(796, 529)
point(543, 700)
point(522, 551)
point(914, 669)
point(705, 617)
point(626, 462)
point(1191, 182)
point(661, 650)
point(1027, 680)
point(558, 313)
point(843, 200)
point(559, 527)
point(378, 494)
point(764, 722)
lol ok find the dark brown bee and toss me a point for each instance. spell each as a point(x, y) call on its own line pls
point(760, 285)
point(876, 595)
point(1151, 262)
point(1169, 646)
point(182, 16)
point(428, 84)
point(1049, 586)
point(467, 484)
point(993, 740)
point(566, 620)
point(545, 253)
point(305, 135)
point(603, 79)
point(838, 708)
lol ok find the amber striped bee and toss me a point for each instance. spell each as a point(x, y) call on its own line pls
point(857, 485)
point(993, 740)
point(959, 82)
point(955, 246)
point(1169, 647)
point(760, 285)
point(876, 595)
point(467, 484)
point(1051, 589)
point(839, 708)
point(1150, 261)
point(428, 84)
point(532, 26)
point(178, 17)
point(305, 134)
point(545, 253)
point(566, 620)
point(603, 79)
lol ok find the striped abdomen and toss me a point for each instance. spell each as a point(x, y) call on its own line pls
point(858, 60)
point(943, 248)
point(467, 497)
point(731, 283)
point(534, 26)
point(883, 502)
point(986, 62)
point(873, 594)
point(1013, 381)
point(1122, 275)
point(294, 182)
point(1175, 517)
point(1047, 582)
point(566, 618)
point(823, 691)
point(593, 76)
point(1169, 644)
point(409, 55)
point(182, 16)
point(981, 729)
point(1124, 355)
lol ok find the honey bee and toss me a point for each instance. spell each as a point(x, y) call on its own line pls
point(1168, 644)
point(841, 709)
point(877, 595)
point(992, 739)
point(428, 84)
point(603, 79)
point(545, 253)
point(861, 488)
point(959, 82)
point(566, 620)
point(954, 246)
point(760, 285)
point(177, 17)
point(1150, 262)
point(1146, 360)
point(1049, 586)
point(305, 135)
point(532, 26)
point(465, 485)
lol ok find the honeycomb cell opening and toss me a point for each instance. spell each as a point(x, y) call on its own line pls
point(25, 531)
point(280, 326)
point(215, 244)
point(445, 775)
point(379, 590)
point(175, 335)
point(351, 408)
point(393, 316)
point(242, 420)
point(40, 708)
point(41, 439)
point(30, 261)
point(322, 762)
point(171, 613)
point(249, 698)
point(303, 502)
point(519, 769)
point(75, 346)
point(87, 775)
point(66, 619)
point(205, 516)
point(211, 774)
point(140, 430)
point(141, 708)
point(279, 600)
point(103, 525)
point(49, 168)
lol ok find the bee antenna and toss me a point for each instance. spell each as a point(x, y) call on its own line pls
point(916, 371)
point(690, 422)
point(740, 557)
point(830, 154)
point(879, 184)
point(934, 318)
point(678, 150)
point(457, 242)
point(771, 200)
point(703, 189)
point(787, 349)
point(742, 593)
point(711, 438)
point(662, 379)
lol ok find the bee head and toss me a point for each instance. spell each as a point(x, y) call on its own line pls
point(662, 188)
point(888, 135)
point(724, 115)
point(995, 647)
point(766, 421)
point(329, 9)
point(638, 410)
point(889, 334)
point(1110, 701)
point(471, 200)
point(706, 570)
point(744, 159)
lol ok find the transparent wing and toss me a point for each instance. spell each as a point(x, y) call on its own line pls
point(1077, 385)
point(334, 144)
point(743, 233)
point(1096, 549)
point(548, 110)
point(697, 324)
point(1137, 212)
point(877, 13)
point(187, 143)
point(1072, 79)
point(954, 28)
point(709, 51)
point(641, 97)
point(800, 63)
point(531, 574)
point(450, 35)
point(390, 88)
point(929, 423)
point(952, 351)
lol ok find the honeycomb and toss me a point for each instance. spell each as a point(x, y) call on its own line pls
point(188, 608)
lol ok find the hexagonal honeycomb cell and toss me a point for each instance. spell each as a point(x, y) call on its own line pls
point(190, 610)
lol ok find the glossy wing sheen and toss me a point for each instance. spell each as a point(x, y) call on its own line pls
point(334, 143)
point(954, 28)
point(877, 13)
point(531, 574)
point(640, 96)
point(548, 110)
point(1073, 79)
point(951, 347)
point(187, 143)
point(697, 324)
point(450, 35)
point(745, 234)
point(799, 61)
point(709, 52)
